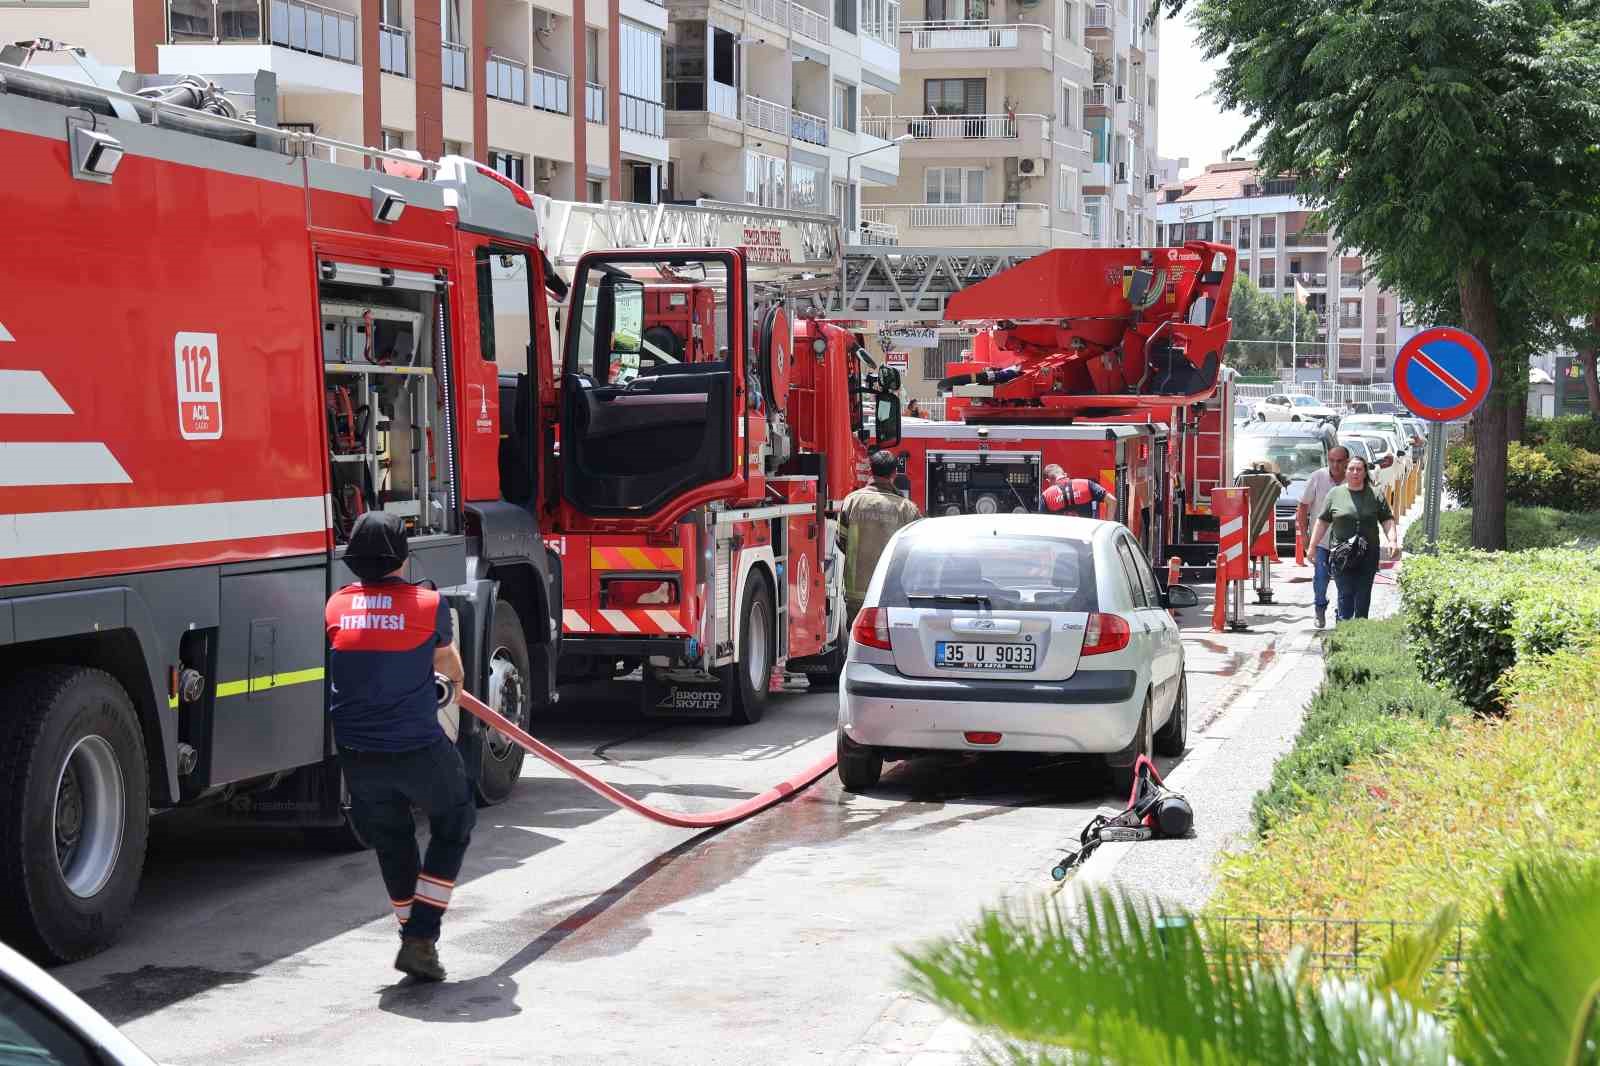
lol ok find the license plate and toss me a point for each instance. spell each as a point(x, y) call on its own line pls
point(970, 655)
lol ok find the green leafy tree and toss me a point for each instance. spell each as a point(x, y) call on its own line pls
point(1127, 983)
point(1259, 318)
point(1453, 142)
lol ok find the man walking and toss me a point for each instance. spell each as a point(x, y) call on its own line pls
point(1312, 499)
point(1076, 496)
point(869, 517)
point(388, 638)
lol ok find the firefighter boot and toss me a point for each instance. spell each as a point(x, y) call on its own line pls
point(420, 959)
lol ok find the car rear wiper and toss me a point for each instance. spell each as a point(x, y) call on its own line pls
point(969, 597)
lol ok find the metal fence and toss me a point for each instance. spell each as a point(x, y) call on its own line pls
point(1333, 947)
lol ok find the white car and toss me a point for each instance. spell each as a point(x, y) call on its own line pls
point(1014, 633)
point(1389, 426)
point(1293, 407)
point(42, 1022)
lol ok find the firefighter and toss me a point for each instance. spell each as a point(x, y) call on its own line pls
point(388, 639)
point(1065, 495)
point(870, 516)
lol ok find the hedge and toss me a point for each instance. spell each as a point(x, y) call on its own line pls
point(1554, 474)
point(1578, 431)
point(1526, 527)
point(1373, 701)
point(1470, 616)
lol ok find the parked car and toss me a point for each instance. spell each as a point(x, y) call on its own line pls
point(1374, 407)
point(1013, 633)
point(1419, 436)
point(1389, 426)
point(1293, 407)
point(42, 1022)
point(1378, 451)
point(1296, 452)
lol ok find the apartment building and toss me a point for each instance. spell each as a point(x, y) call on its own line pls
point(764, 101)
point(1270, 224)
point(1026, 122)
point(562, 96)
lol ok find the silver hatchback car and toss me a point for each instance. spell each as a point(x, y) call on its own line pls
point(1018, 633)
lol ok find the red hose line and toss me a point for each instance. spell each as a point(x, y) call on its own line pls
point(716, 819)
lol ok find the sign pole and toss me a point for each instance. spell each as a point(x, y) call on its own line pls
point(1435, 497)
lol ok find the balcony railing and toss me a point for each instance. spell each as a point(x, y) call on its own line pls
point(884, 28)
point(1099, 18)
point(1318, 281)
point(807, 23)
point(594, 103)
point(453, 65)
point(394, 50)
point(1267, 240)
point(1099, 95)
point(954, 36)
point(771, 10)
point(505, 79)
point(878, 232)
point(642, 116)
point(723, 100)
point(958, 216)
point(294, 24)
point(1268, 281)
point(963, 127)
point(550, 91)
point(813, 129)
point(1349, 321)
point(1352, 282)
point(766, 115)
point(1305, 240)
point(1244, 242)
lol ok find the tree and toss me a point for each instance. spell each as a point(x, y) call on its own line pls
point(1128, 983)
point(1452, 141)
point(1259, 318)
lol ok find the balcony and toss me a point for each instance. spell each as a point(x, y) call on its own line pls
point(639, 115)
point(1314, 281)
point(1136, 113)
point(956, 136)
point(549, 91)
point(879, 233)
point(293, 24)
point(1010, 46)
point(1352, 282)
point(1267, 240)
point(505, 79)
point(594, 103)
point(963, 225)
point(453, 65)
point(394, 50)
point(812, 129)
point(1268, 281)
point(766, 115)
point(882, 23)
point(1349, 322)
point(1098, 100)
point(1305, 240)
point(810, 24)
point(1098, 23)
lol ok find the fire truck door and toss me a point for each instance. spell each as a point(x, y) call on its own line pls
point(807, 593)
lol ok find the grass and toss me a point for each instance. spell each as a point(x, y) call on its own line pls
point(1440, 819)
point(1526, 527)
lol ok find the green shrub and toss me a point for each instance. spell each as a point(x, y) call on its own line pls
point(1458, 472)
point(1357, 654)
point(1470, 615)
point(1556, 473)
point(1578, 431)
point(1526, 527)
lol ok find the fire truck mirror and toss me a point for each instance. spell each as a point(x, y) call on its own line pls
point(886, 421)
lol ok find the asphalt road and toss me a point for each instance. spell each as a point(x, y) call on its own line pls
point(584, 934)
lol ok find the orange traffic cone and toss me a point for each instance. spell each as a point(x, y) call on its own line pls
point(1299, 547)
point(1219, 611)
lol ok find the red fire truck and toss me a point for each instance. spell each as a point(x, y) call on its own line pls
point(710, 427)
point(1105, 362)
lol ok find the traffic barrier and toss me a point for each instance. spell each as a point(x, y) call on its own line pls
point(1232, 508)
point(1174, 571)
point(1299, 545)
point(713, 820)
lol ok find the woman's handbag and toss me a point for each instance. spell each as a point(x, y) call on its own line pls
point(1347, 555)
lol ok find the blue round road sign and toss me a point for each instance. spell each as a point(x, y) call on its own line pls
point(1442, 374)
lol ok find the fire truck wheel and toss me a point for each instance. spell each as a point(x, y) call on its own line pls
point(860, 767)
point(510, 693)
point(744, 681)
point(834, 662)
point(1144, 743)
point(1172, 738)
point(75, 785)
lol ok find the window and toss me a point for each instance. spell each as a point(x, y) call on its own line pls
point(450, 21)
point(511, 164)
point(1100, 131)
point(954, 96)
point(1153, 96)
point(504, 307)
point(844, 15)
point(936, 360)
point(765, 180)
point(958, 10)
point(1130, 570)
point(844, 105)
point(1141, 563)
point(1094, 218)
point(31, 1034)
point(597, 191)
point(1068, 18)
point(1067, 112)
point(454, 148)
point(591, 54)
point(953, 185)
point(803, 188)
point(839, 203)
point(639, 58)
point(1069, 190)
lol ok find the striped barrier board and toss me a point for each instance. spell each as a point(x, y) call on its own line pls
point(635, 558)
point(617, 621)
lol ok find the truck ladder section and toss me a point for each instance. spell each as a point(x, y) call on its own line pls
point(890, 284)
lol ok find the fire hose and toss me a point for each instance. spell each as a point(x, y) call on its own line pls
point(712, 820)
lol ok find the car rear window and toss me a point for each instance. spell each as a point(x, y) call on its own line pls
point(1014, 573)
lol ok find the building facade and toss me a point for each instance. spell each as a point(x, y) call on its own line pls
point(1026, 122)
point(1272, 227)
point(764, 101)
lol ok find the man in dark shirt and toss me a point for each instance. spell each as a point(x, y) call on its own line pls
point(388, 638)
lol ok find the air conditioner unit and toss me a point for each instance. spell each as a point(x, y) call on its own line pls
point(1031, 167)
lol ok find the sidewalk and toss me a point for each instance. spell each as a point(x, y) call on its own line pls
point(1248, 723)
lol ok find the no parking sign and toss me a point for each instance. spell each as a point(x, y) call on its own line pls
point(1443, 374)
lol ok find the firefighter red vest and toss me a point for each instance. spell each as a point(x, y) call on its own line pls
point(381, 639)
point(1068, 492)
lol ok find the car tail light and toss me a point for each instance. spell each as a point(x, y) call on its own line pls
point(982, 738)
point(639, 592)
point(872, 628)
point(1105, 632)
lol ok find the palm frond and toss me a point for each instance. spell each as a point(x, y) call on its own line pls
point(1531, 994)
point(1123, 981)
point(1411, 957)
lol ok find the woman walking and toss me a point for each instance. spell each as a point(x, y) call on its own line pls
point(1354, 511)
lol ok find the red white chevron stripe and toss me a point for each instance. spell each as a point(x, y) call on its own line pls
point(632, 621)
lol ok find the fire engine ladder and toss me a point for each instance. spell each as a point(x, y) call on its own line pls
point(889, 283)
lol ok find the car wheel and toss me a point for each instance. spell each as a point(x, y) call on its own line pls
point(1144, 744)
point(74, 776)
point(510, 693)
point(1172, 738)
point(1294, 418)
point(860, 766)
point(745, 680)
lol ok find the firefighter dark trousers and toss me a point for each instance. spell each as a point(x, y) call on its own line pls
point(384, 786)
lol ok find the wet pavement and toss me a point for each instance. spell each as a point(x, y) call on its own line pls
point(580, 933)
